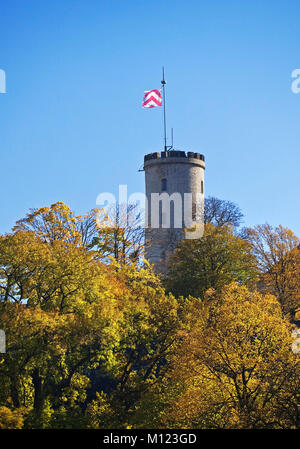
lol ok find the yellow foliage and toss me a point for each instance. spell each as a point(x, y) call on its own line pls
point(277, 251)
point(236, 368)
point(11, 419)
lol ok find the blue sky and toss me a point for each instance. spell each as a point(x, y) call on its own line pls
point(71, 122)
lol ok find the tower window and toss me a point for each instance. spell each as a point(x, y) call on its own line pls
point(163, 185)
point(202, 187)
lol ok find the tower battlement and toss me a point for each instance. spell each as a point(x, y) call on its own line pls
point(173, 154)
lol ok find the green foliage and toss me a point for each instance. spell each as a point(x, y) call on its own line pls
point(218, 258)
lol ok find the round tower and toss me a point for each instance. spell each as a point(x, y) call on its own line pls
point(175, 202)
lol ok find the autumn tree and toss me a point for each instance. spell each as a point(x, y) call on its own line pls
point(57, 222)
point(120, 233)
point(80, 333)
point(11, 419)
point(277, 252)
point(94, 340)
point(58, 276)
point(59, 308)
point(215, 260)
point(116, 231)
point(149, 334)
point(61, 365)
point(234, 368)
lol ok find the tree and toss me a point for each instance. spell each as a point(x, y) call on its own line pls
point(114, 232)
point(56, 276)
point(120, 233)
point(94, 341)
point(60, 363)
point(150, 326)
point(277, 252)
point(80, 333)
point(87, 227)
point(57, 222)
point(215, 260)
point(220, 212)
point(60, 311)
point(10, 419)
point(234, 368)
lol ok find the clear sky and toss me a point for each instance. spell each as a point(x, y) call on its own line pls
point(71, 122)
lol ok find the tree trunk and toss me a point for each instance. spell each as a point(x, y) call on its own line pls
point(38, 392)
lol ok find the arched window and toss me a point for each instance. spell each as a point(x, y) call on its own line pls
point(163, 185)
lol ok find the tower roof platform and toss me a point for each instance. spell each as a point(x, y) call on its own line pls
point(174, 156)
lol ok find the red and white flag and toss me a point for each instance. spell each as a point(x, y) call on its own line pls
point(152, 98)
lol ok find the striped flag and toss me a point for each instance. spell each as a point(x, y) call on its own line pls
point(152, 98)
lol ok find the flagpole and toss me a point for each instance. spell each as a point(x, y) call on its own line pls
point(163, 83)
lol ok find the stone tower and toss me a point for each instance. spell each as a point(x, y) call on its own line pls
point(175, 202)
